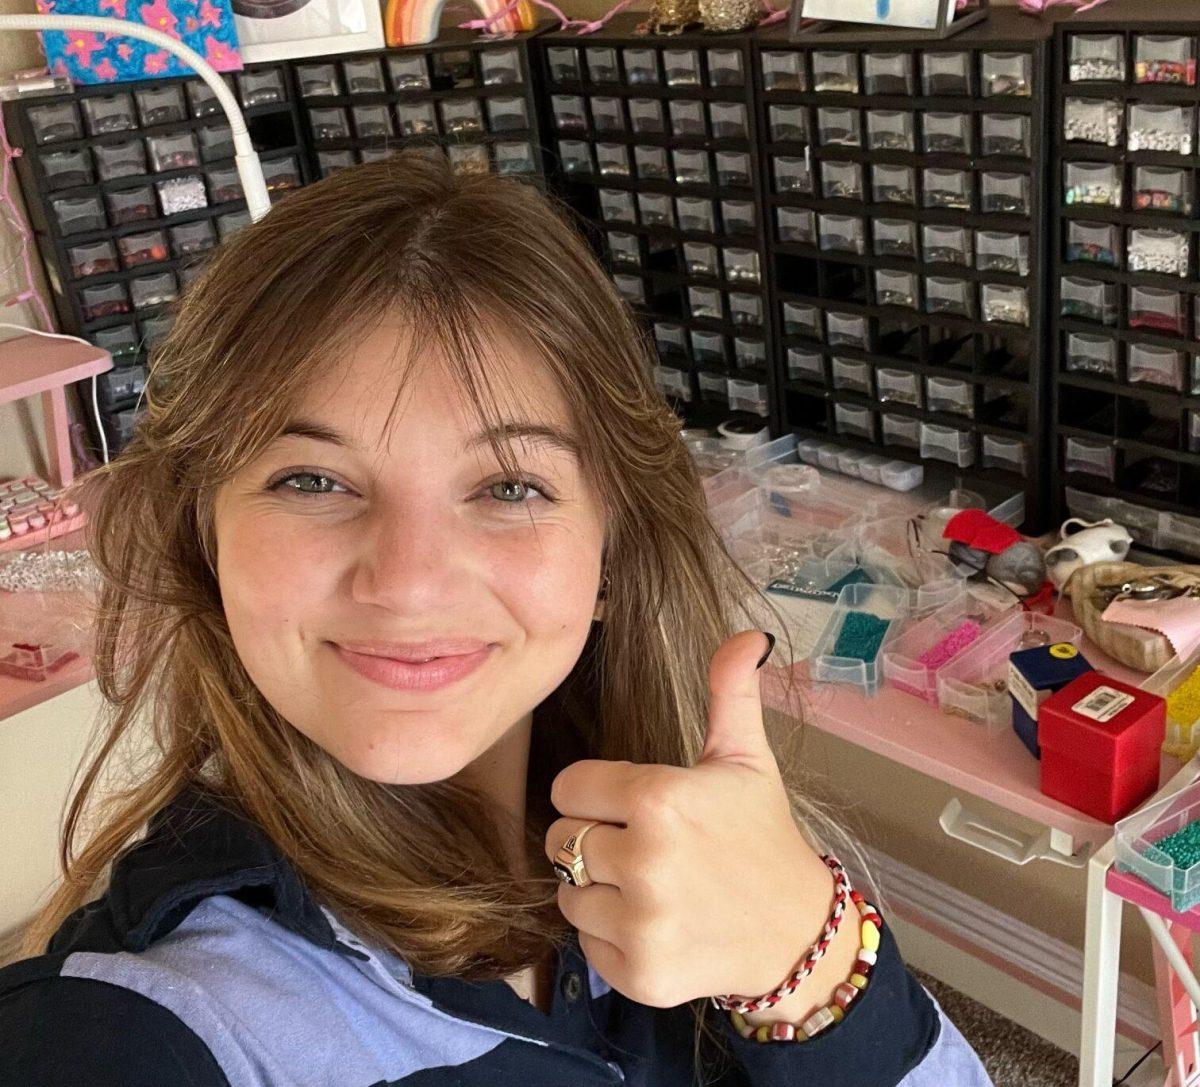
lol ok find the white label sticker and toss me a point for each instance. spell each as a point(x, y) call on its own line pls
point(1103, 704)
point(1022, 690)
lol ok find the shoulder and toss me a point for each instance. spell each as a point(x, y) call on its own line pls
point(59, 1031)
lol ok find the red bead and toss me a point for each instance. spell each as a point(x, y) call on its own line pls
point(844, 994)
point(861, 966)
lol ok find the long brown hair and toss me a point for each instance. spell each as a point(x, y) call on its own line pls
point(416, 868)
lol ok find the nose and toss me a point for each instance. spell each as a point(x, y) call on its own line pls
point(408, 559)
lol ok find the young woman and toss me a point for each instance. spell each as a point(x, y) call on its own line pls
point(442, 694)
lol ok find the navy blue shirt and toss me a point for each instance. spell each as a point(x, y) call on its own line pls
point(207, 963)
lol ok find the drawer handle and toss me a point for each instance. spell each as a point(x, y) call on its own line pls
point(1007, 842)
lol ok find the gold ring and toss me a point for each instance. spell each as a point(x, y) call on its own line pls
point(568, 861)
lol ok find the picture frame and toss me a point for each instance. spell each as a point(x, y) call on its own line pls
point(936, 18)
point(270, 30)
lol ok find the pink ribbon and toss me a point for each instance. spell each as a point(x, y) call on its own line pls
point(1038, 7)
point(585, 26)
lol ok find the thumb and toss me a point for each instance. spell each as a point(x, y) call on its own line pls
point(735, 715)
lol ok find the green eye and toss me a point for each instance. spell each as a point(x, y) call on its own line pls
point(512, 491)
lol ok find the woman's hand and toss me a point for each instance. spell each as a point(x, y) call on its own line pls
point(706, 886)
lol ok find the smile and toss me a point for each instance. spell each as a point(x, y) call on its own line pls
point(426, 675)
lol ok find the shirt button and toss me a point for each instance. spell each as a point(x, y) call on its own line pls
point(571, 986)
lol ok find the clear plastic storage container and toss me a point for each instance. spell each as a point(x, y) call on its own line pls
point(849, 649)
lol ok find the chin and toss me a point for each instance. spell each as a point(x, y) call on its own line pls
point(400, 760)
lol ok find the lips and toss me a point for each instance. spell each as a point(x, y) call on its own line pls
point(414, 674)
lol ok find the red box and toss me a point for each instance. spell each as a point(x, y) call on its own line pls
point(1101, 741)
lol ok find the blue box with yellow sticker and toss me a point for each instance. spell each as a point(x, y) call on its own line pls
point(1033, 676)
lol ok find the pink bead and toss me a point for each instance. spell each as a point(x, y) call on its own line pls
point(782, 1032)
point(844, 994)
point(817, 1022)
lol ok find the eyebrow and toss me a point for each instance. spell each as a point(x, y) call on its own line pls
point(508, 431)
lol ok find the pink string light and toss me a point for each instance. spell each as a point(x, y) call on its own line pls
point(28, 291)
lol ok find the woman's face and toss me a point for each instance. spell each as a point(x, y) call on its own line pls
point(326, 545)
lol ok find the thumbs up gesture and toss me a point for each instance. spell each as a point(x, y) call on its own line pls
point(702, 884)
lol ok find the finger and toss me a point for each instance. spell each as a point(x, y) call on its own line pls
point(601, 789)
point(735, 716)
point(598, 911)
point(602, 848)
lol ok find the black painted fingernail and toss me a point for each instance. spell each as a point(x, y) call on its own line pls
point(770, 646)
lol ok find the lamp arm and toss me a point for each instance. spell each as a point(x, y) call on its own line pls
point(245, 157)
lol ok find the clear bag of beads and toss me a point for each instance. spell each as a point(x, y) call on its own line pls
point(948, 133)
point(464, 115)
point(1092, 243)
point(946, 74)
point(802, 319)
point(507, 114)
point(946, 295)
point(733, 168)
point(850, 374)
point(788, 123)
point(1164, 58)
point(575, 157)
point(897, 387)
point(782, 70)
point(160, 105)
point(650, 163)
point(888, 73)
point(654, 209)
point(1088, 300)
point(670, 339)
point(1092, 183)
point(1090, 458)
point(946, 188)
point(795, 225)
point(1096, 58)
point(1089, 354)
point(682, 67)
point(889, 130)
point(696, 214)
point(568, 112)
point(499, 67)
point(107, 113)
point(846, 330)
point(690, 167)
point(607, 114)
point(624, 248)
point(631, 288)
point(949, 395)
point(741, 265)
point(1004, 134)
point(745, 309)
point(1154, 365)
point(1157, 310)
point(1008, 305)
point(895, 237)
point(700, 259)
point(641, 67)
point(1006, 74)
point(728, 120)
point(612, 160)
point(737, 216)
point(706, 303)
point(1092, 120)
point(725, 68)
point(836, 72)
point(839, 127)
point(417, 119)
point(601, 64)
point(182, 194)
point(900, 430)
point(792, 174)
point(1161, 188)
point(564, 64)
point(841, 233)
point(893, 288)
point(946, 244)
point(646, 115)
point(1004, 193)
point(616, 206)
point(893, 184)
point(1165, 251)
point(514, 158)
point(841, 180)
point(410, 73)
point(1156, 126)
point(805, 365)
point(374, 122)
point(364, 75)
point(1002, 251)
point(708, 348)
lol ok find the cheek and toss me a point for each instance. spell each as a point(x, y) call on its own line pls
point(272, 577)
point(549, 582)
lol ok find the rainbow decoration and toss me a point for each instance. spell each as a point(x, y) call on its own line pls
point(415, 22)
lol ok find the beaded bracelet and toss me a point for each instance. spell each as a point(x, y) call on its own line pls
point(841, 895)
point(843, 996)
